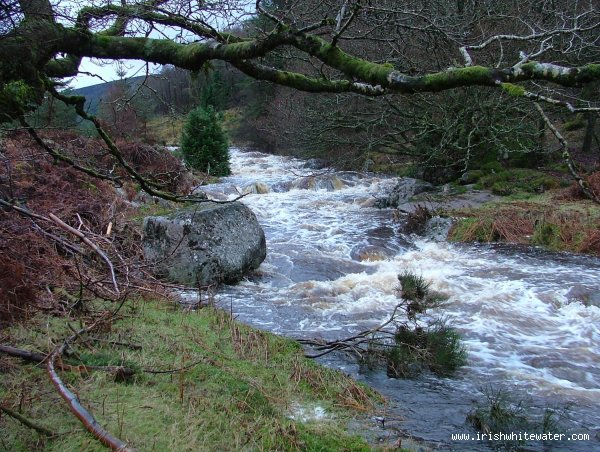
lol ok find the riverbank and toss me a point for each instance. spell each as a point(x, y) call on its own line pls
point(201, 381)
point(558, 219)
point(550, 220)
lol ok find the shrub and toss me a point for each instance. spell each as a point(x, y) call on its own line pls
point(416, 221)
point(499, 413)
point(204, 144)
point(472, 176)
point(492, 167)
point(502, 188)
point(416, 347)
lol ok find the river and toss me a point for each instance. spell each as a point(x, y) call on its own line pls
point(529, 319)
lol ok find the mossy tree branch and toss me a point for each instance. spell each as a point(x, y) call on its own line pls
point(41, 44)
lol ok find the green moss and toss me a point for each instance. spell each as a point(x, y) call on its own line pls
point(590, 72)
point(16, 98)
point(511, 181)
point(513, 90)
point(454, 77)
point(577, 123)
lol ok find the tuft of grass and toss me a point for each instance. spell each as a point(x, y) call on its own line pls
point(207, 383)
point(499, 413)
point(546, 234)
point(416, 221)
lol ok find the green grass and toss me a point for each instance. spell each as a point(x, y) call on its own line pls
point(238, 391)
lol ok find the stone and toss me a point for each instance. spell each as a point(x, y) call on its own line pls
point(329, 182)
point(405, 189)
point(316, 164)
point(371, 253)
point(437, 229)
point(207, 244)
point(256, 188)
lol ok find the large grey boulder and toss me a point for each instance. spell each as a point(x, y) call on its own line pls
point(405, 189)
point(207, 244)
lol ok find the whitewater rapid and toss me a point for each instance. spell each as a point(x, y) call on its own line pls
point(530, 320)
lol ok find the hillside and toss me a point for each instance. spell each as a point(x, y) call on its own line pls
point(95, 93)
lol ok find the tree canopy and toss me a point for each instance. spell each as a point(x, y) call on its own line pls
point(43, 42)
point(542, 51)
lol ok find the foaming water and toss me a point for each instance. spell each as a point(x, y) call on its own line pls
point(530, 319)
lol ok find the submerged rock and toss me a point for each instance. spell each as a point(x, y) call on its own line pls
point(207, 244)
point(316, 164)
point(329, 182)
point(371, 253)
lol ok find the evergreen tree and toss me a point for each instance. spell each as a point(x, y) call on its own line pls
point(204, 143)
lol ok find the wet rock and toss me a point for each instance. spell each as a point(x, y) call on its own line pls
point(585, 295)
point(327, 182)
point(437, 228)
point(207, 244)
point(316, 164)
point(257, 188)
point(405, 189)
point(320, 268)
point(281, 187)
point(371, 253)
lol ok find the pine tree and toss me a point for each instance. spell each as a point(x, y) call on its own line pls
point(204, 143)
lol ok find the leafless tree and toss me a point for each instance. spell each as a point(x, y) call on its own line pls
point(544, 52)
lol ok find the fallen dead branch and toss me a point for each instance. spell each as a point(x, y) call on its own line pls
point(121, 371)
point(23, 420)
point(121, 344)
point(86, 418)
point(23, 354)
point(91, 244)
point(353, 343)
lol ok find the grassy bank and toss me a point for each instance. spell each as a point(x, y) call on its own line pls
point(546, 220)
point(202, 382)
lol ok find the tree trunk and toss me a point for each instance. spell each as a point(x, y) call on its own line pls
point(590, 130)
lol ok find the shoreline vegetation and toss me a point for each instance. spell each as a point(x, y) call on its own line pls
point(199, 380)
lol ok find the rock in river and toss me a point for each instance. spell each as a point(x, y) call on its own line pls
point(405, 189)
point(207, 244)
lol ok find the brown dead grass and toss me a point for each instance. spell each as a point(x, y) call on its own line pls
point(574, 193)
point(558, 225)
point(39, 268)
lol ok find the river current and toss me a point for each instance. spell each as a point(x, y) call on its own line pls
point(529, 319)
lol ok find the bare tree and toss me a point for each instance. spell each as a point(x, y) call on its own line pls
point(543, 52)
